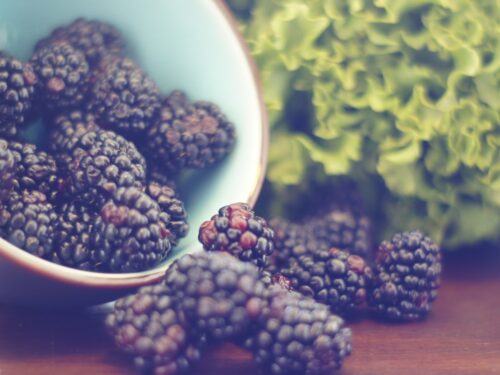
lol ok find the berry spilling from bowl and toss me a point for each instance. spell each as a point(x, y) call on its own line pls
point(101, 196)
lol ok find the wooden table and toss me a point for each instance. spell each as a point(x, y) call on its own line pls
point(461, 337)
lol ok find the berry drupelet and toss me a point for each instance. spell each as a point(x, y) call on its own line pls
point(63, 74)
point(35, 170)
point(93, 38)
point(221, 296)
point(7, 169)
point(275, 279)
point(299, 336)
point(102, 162)
point(124, 98)
point(334, 277)
point(189, 135)
point(73, 231)
point(150, 327)
point(170, 204)
point(237, 230)
point(407, 276)
point(17, 91)
point(27, 221)
point(131, 232)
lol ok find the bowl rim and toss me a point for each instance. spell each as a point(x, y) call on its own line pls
point(71, 276)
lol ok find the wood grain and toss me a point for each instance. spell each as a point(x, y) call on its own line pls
point(461, 337)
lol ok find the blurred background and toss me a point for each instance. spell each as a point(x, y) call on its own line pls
point(395, 103)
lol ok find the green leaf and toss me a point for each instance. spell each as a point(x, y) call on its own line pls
point(404, 97)
point(287, 160)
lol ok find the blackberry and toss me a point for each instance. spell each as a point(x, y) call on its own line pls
point(67, 129)
point(102, 162)
point(237, 230)
point(131, 232)
point(26, 221)
point(17, 91)
point(292, 240)
point(174, 108)
point(150, 327)
point(94, 39)
point(343, 229)
point(407, 276)
point(63, 74)
point(334, 277)
point(189, 135)
point(170, 204)
point(299, 336)
point(7, 169)
point(35, 170)
point(338, 228)
point(124, 99)
point(73, 231)
point(221, 296)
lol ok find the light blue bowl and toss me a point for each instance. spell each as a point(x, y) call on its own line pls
point(192, 45)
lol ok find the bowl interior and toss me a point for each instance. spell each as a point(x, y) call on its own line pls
point(182, 44)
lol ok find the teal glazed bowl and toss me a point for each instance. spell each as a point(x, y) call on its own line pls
point(192, 45)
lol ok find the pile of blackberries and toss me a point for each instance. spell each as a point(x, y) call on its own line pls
point(214, 297)
point(278, 293)
point(100, 195)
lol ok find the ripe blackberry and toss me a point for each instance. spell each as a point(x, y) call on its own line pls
point(102, 162)
point(7, 169)
point(63, 75)
point(35, 170)
point(149, 326)
point(221, 296)
point(17, 91)
point(407, 276)
point(334, 277)
point(73, 231)
point(26, 221)
point(124, 98)
point(237, 230)
point(94, 39)
point(169, 203)
point(189, 135)
point(299, 336)
point(130, 233)
point(67, 128)
point(343, 229)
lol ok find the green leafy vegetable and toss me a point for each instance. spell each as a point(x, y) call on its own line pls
point(401, 93)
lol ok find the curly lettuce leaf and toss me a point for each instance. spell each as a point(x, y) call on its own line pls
point(405, 97)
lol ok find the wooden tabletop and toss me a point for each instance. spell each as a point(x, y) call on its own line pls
point(461, 337)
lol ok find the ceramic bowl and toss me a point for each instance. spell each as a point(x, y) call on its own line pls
point(192, 45)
